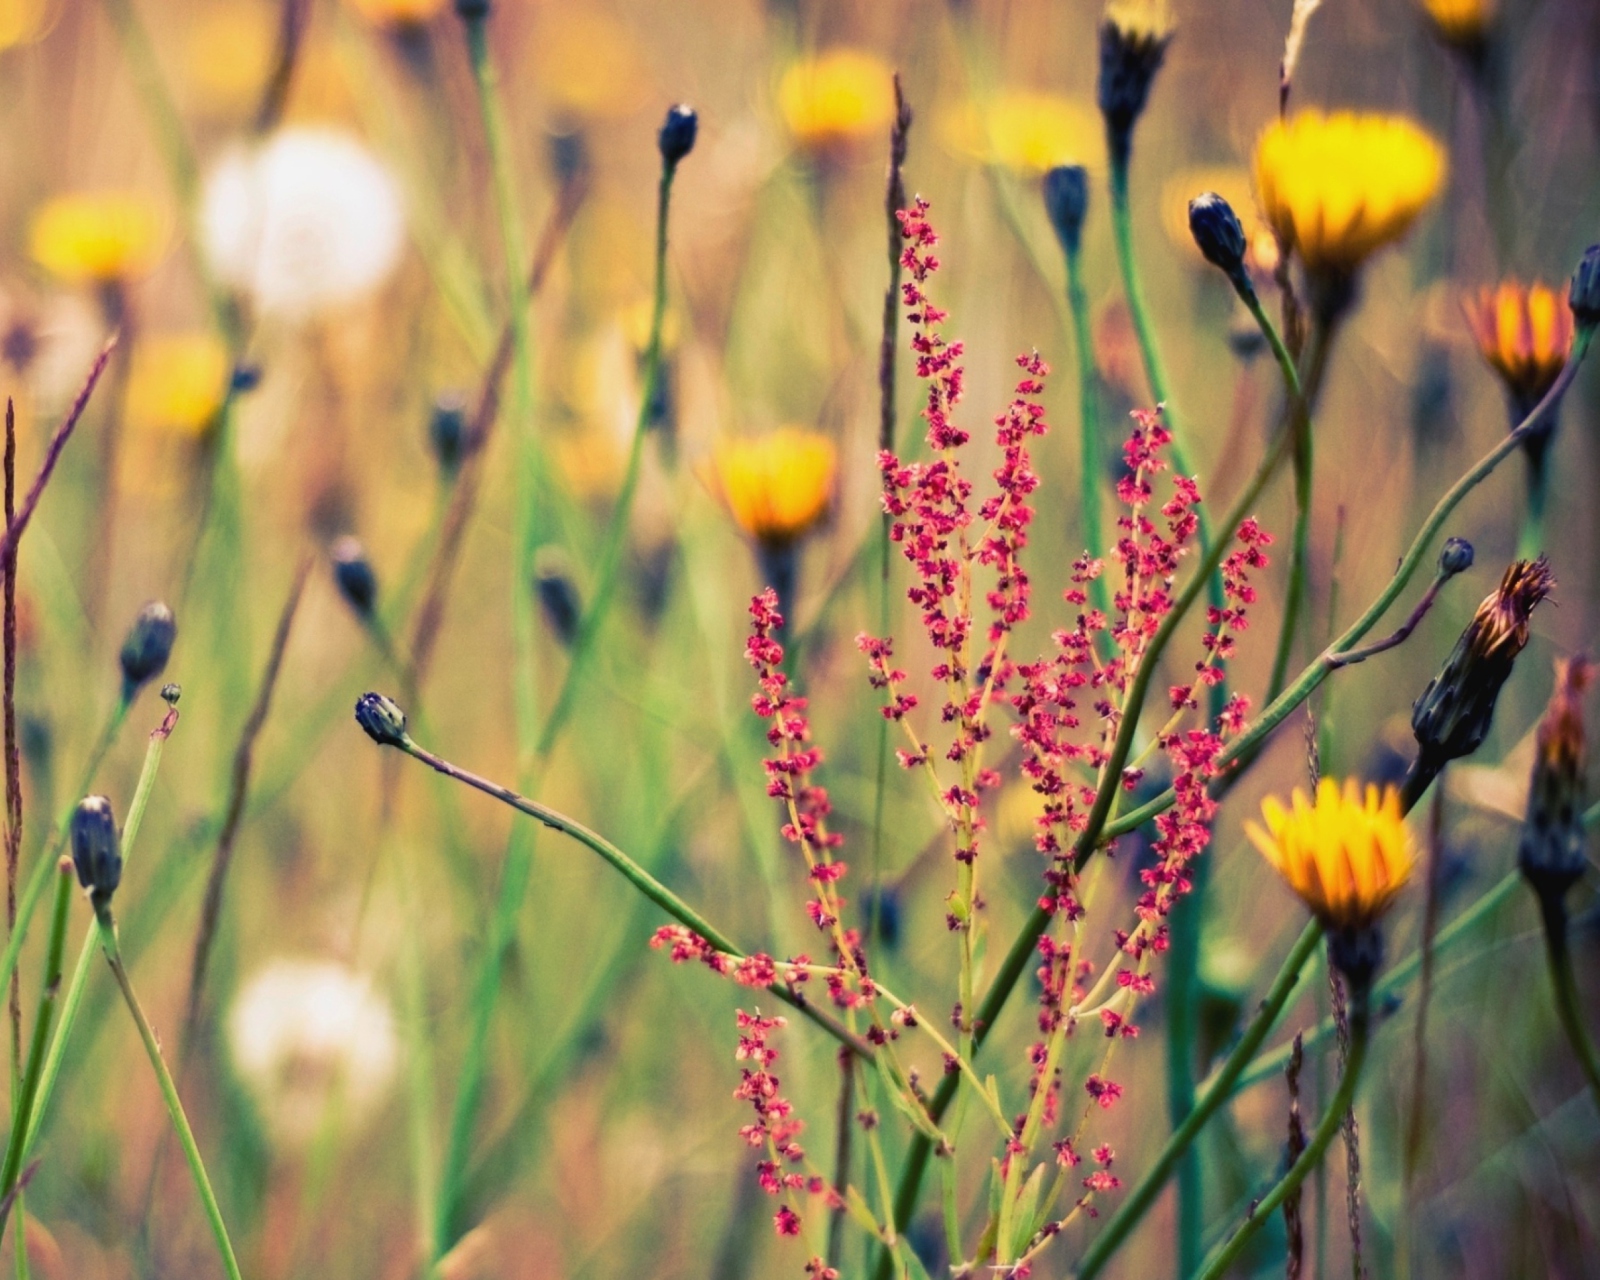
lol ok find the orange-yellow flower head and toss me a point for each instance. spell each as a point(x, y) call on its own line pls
point(1461, 24)
point(778, 486)
point(1347, 856)
point(398, 13)
point(836, 98)
point(1525, 333)
point(96, 237)
point(177, 382)
point(1024, 131)
point(1338, 187)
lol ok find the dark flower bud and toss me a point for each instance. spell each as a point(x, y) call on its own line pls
point(352, 571)
point(1452, 717)
point(882, 907)
point(1455, 557)
point(382, 718)
point(170, 693)
point(472, 10)
point(677, 135)
point(569, 157)
point(447, 430)
point(558, 596)
point(1584, 295)
point(149, 644)
point(1132, 47)
point(246, 378)
point(1551, 852)
point(1218, 233)
point(1066, 200)
point(1357, 953)
point(96, 848)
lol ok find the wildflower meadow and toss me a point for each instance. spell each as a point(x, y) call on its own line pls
point(753, 638)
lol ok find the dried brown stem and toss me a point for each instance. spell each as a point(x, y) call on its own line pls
point(243, 755)
point(474, 445)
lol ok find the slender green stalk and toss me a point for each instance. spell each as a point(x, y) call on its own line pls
point(1565, 990)
point(1332, 1120)
point(80, 972)
point(169, 1092)
point(1091, 462)
point(1183, 959)
point(617, 531)
point(637, 876)
point(39, 877)
point(28, 1090)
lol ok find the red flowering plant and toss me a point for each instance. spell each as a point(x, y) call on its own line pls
point(1071, 711)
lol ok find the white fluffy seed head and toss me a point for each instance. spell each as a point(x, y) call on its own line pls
point(306, 220)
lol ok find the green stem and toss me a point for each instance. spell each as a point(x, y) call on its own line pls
point(637, 876)
point(80, 972)
point(22, 1111)
point(1332, 1120)
point(1183, 958)
point(1091, 463)
point(39, 877)
point(1221, 1088)
point(1565, 989)
point(617, 531)
point(169, 1092)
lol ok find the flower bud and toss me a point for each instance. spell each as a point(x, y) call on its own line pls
point(472, 10)
point(352, 571)
point(1455, 557)
point(447, 430)
point(382, 719)
point(1133, 41)
point(1551, 852)
point(170, 693)
point(676, 138)
point(1357, 953)
point(148, 645)
point(558, 596)
point(96, 848)
point(246, 378)
point(1066, 200)
point(1218, 233)
point(1452, 717)
point(1584, 295)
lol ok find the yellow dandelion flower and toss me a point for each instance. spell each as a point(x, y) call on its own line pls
point(176, 382)
point(398, 13)
point(1347, 856)
point(589, 65)
point(836, 98)
point(97, 237)
point(1525, 332)
point(1140, 19)
point(1462, 23)
point(778, 486)
point(1025, 131)
point(1339, 187)
point(24, 21)
point(228, 55)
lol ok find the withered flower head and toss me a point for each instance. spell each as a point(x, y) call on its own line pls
point(1551, 853)
point(1452, 717)
point(1524, 332)
point(1134, 35)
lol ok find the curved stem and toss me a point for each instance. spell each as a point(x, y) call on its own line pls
point(1328, 1128)
point(637, 876)
point(1565, 989)
point(169, 1092)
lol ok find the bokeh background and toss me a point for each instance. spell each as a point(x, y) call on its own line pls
point(361, 897)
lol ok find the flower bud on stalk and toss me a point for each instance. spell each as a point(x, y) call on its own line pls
point(1219, 235)
point(1551, 852)
point(1133, 41)
point(96, 849)
point(1583, 295)
point(1066, 200)
point(148, 646)
point(558, 596)
point(677, 135)
point(1452, 717)
point(447, 430)
point(472, 10)
point(1455, 557)
point(382, 719)
point(353, 574)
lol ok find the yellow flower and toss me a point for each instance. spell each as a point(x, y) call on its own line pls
point(1525, 333)
point(1023, 130)
point(1140, 19)
point(1463, 23)
point(23, 21)
point(97, 237)
point(777, 486)
point(589, 65)
point(228, 54)
point(836, 98)
point(1347, 856)
point(1339, 187)
point(398, 13)
point(177, 382)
